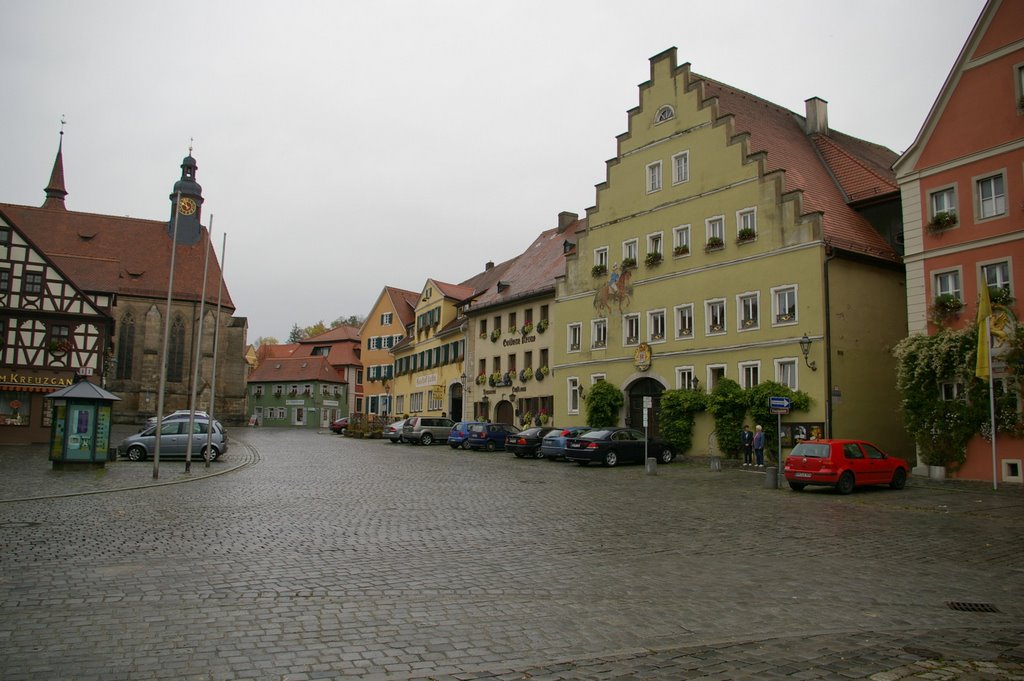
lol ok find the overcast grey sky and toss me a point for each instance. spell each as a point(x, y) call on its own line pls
point(345, 146)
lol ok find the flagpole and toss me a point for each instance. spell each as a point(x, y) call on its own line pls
point(216, 338)
point(991, 400)
point(198, 350)
point(163, 352)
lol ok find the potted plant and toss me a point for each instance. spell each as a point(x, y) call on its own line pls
point(483, 335)
point(495, 379)
point(512, 329)
point(1000, 296)
point(481, 379)
point(495, 335)
point(652, 259)
point(681, 250)
point(942, 220)
point(525, 418)
point(59, 347)
point(945, 307)
point(542, 326)
point(599, 270)
point(543, 416)
point(526, 374)
point(713, 244)
point(527, 329)
point(628, 262)
point(746, 234)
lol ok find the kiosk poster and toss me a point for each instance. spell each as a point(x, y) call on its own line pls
point(792, 433)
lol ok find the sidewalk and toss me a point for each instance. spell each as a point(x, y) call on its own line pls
point(26, 471)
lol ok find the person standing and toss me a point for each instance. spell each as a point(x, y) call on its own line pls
point(758, 444)
point(747, 438)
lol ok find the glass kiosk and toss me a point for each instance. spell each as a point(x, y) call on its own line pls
point(80, 430)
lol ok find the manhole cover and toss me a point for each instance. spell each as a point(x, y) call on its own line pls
point(972, 607)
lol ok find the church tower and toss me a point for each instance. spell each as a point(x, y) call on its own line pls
point(188, 208)
point(55, 191)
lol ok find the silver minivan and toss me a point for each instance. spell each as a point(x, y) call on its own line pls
point(427, 429)
point(174, 440)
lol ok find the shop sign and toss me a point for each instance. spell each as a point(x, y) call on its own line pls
point(14, 378)
point(519, 389)
point(518, 340)
point(426, 380)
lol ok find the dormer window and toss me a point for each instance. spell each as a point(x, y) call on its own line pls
point(664, 113)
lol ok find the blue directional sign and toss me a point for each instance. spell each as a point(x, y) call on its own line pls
point(779, 405)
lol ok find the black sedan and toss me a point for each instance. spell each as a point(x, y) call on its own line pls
point(526, 443)
point(612, 446)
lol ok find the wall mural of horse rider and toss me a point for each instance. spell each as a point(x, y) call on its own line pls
point(617, 291)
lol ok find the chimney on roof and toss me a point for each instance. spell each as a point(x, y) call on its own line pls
point(817, 116)
point(489, 265)
point(566, 218)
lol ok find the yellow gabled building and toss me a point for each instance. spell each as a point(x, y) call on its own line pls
point(384, 328)
point(430, 361)
point(728, 230)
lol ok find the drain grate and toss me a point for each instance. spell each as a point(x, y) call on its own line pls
point(972, 607)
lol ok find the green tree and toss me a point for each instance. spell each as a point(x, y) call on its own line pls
point(316, 329)
point(678, 415)
point(296, 334)
point(604, 402)
point(727, 403)
point(266, 340)
point(351, 320)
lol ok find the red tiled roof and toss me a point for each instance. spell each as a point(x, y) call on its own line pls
point(294, 370)
point(484, 280)
point(404, 303)
point(110, 254)
point(861, 166)
point(454, 291)
point(343, 332)
point(532, 272)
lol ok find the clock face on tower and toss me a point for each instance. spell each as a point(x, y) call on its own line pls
point(186, 206)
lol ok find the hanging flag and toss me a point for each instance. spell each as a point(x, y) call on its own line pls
point(983, 368)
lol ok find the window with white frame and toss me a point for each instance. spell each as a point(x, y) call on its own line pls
point(665, 113)
point(685, 378)
point(746, 224)
point(416, 402)
point(601, 257)
point(948, 283)
point(386, 317)
point(684, 320)
point(785, 372)
point(750, 374)
point(434, 403)
point(715, 229)
point(573, 384)
point(681, 167)
point(748, 306)
point(630, 250)
point(653, 177)
point(599, 333)
point(654, 243)
point(278, 389)
point(630, 329)
point(257, 391)
point(991, 196)
point(656, 326)
point(951, 390)
point(681, 240)
point(715, 316)
point(399, 404)
point(942, 201)
point(784, 304)
point(997, 275)
point(596, 378)
point(716, 372)
point(574, 332)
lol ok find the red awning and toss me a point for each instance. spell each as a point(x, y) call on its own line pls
point(29, 388)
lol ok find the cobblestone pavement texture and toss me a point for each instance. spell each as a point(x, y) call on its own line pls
point(306, 555)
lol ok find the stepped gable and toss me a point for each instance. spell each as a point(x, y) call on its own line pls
point(295, 369)
point(779, 133)
point(106, 253)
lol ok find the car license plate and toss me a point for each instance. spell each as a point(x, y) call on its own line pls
point(801, 475)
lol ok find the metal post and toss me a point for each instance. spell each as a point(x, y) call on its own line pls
point(163, 352)
point(778, 436)
point(199, 354)
point(216, 338)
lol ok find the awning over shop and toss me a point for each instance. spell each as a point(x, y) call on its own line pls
point(6, 387)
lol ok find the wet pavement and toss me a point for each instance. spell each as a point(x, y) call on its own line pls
point(306, 555)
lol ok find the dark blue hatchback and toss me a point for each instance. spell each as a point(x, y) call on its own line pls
point(491, 436)
point(459, 436)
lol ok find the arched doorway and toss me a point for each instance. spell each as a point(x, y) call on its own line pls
point(455, 402)
point(503, 412)
point(645, 387)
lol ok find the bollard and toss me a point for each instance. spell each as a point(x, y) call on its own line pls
point(771, 478)
point(716, 463)
point(652, 466)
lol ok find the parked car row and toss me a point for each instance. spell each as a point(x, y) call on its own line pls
point(842, 464)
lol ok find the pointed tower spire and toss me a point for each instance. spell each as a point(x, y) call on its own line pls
point(55, 191)
point(188, 210)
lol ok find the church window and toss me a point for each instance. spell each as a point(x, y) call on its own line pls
point(176, 351)
point(125, 346)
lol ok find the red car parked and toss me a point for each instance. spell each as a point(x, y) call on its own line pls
point(843, 464)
